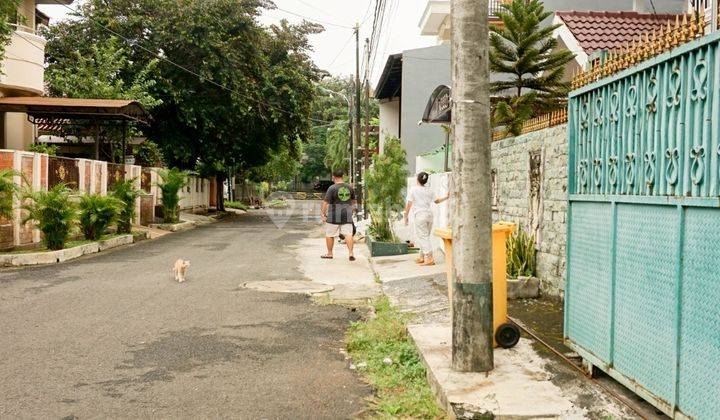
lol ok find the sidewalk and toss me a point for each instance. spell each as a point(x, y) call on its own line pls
point(527, 382)
point(351, 281)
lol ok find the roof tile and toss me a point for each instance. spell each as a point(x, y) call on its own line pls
point(611, 30)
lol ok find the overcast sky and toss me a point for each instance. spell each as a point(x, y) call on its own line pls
point(334, 48)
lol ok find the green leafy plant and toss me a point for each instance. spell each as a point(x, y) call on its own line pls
point(54, 212)
point(337, 155)
point(520, 251)
point(148, 154)
point(385, 182)
point(50, 149)
point(97, 212)
point(236, 205)
point(126, 193)
point(524, 52)
point(8, 189)
point(171, 182)
point(402, 388)
point(380, 228)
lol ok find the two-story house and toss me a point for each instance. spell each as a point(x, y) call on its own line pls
point(23, 71)
point(411, 76)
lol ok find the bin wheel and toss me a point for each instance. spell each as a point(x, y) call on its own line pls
point(507, 335)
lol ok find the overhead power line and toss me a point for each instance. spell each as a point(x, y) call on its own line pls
point(342, 49)
point(311, 19)
point(185, 69)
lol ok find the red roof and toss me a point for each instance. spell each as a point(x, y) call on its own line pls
point(612, 30)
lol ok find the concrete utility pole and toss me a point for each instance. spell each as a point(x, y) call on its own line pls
point(358, 115)
point(472, 323)
point(367, 119)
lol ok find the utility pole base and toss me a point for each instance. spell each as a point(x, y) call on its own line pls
point(472, 327)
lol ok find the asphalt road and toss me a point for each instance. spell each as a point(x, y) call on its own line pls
point(114, 336)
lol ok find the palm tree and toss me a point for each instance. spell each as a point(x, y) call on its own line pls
point(523, 50)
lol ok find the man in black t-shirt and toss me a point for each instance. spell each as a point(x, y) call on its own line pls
point(337, 213)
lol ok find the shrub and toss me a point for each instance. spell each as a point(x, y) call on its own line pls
point(236, 205)
point(148, 153)
point(520, 254)
point(385, 182)
point(127, 193)
point(172, 181)
point(380, 228)
point(54, 212)
point(7, 193)
point(97, 212)
point(50, 149)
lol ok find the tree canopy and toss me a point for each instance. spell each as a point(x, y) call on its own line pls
point(229, 92)
point(525, 51)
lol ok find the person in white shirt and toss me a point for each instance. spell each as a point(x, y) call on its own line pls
point(420, 198)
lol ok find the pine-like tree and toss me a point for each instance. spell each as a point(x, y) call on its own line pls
point(524, 51)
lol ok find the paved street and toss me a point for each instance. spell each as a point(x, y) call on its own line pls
point(115, 336)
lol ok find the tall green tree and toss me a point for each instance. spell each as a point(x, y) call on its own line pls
point(524, 51)
point(327, 147)
point(233, 91)
point(99, 73)
point(337, 155)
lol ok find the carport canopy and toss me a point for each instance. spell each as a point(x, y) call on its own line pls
point(42, 107)
point(42, 110)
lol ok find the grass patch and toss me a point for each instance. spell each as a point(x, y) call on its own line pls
point(276, 203)
point(402, 388)
point(236, 205)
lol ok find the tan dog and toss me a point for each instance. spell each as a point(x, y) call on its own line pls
point(180, 270)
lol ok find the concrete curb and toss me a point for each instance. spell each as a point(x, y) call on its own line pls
point(173, 227)
point(54, 257)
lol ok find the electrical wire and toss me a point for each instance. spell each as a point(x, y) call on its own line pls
point(342, 49)
point(393, 15)
point(317, 9)
point(185, 69)
point(322, 22)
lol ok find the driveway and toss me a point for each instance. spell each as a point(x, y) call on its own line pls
point(114, 336)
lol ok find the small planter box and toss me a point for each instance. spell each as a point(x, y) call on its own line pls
point(384, 249)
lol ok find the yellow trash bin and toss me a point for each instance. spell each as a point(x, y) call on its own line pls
point(500, 232)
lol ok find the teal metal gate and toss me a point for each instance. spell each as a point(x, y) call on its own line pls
point(642, 297)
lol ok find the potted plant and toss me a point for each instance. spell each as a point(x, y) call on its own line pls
point(520, 266)
point(385, 181)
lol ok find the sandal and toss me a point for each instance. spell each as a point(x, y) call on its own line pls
point(326, 257)
point(428, 263)
point(419, 260)
point(352, 258)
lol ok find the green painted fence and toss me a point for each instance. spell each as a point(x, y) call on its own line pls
point(642, 297)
